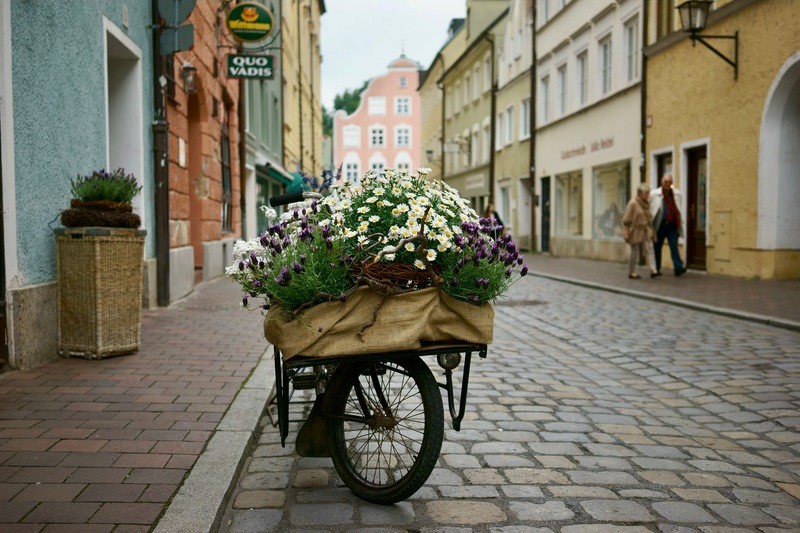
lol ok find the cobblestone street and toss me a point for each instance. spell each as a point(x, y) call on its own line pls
point(594, 412)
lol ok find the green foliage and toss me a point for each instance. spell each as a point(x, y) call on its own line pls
point(115, 186)
point(327, 122)
point(349, 100)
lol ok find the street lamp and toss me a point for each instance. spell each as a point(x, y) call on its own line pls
point(694, 17)
point(189, 76)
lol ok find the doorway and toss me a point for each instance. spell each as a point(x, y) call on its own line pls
point(546, 214)
point(696, 216)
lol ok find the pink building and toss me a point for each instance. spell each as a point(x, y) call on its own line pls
point(384, 132)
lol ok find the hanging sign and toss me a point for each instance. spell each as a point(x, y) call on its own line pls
point(251, 66)
point(250, 22)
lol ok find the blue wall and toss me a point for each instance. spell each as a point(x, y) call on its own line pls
point(58, 73)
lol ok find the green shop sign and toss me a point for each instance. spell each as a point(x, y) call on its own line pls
point(250, 22)
point(251, 66)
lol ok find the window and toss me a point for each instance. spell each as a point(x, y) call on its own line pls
point(562, 90)
point(632, 50)
point(518, 44)
point(583, 78)
point(378, 165)
point(545, 98)
point(476, 83)
point(351, 136)
point(663, 167)
point(487, 143)
point(467, 97)
point(665, 10)
point(544, 10)
point(569, 204)
point(605, 65)
point(464, 147)
point(457, 98)
point(611, 194)
point(376, 105)
point(509, 125)
point(227, 193)
point(473, 149)
point(376, 136)
point(525, 119)
point(487, 75)
point(402, 105)
point(498, 144)
point(402, 136)
point(403, 82)
point(351, 173)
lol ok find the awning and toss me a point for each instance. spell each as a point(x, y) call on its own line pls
point(298, 183)
point(276, 171)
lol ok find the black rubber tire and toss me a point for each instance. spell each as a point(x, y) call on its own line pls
point(413, 397)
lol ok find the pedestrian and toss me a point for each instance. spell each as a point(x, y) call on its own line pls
point(664, 202)
point(497, 224)
point(638, 231)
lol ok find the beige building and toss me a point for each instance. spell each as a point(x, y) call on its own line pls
point(730, 136)
point(469, 104)
point(430, 93)
point(513, 199)
point(302, 103)
point(588, 119)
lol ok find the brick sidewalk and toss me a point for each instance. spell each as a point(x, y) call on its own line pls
point(108, 442)
point(771, 298)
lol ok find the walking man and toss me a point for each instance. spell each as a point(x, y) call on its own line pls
point(664, 203)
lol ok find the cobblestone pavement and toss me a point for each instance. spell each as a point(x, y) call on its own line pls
point(594, 412)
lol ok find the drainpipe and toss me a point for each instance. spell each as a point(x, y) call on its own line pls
point(441, 134)
point(300, 82)
point(313, 108)
point(240, 111)
point(160, 165)
point(492, 121)
point(643, 100)
point(532, 140)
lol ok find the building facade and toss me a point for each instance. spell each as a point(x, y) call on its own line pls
point(513, 194)
point(384, 132)
point(73, 99)
point(730, 137)
point(301, 60)
point(469, 87)
point(588, 145)
point(205, 215)
point(430, 95)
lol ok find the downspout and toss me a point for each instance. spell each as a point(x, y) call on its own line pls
point(441, 133)
point(242, 156)
point(160, 165)
point(532, 140)
point(643, 99)
point(313, 108)
point(300, 82)
point(492, 121)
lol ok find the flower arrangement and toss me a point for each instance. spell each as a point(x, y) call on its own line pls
point(115, 186)
point(393, 231)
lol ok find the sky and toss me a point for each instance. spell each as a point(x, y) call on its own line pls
point(361, 37)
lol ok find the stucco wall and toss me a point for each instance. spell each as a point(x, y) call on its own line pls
point(692, 95)
point(58, 71)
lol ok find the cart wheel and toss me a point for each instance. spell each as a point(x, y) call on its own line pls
point(385, 425)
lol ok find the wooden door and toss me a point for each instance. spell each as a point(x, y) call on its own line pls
point(545, 214)
point(696, 215)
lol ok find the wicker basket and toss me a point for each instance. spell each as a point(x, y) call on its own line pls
point(99, 290)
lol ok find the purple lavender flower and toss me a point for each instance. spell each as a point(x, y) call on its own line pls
point(454, 283)
point(241, 265)
point(343, 297)
point(509, 271)
point(524, 269)
point(303, 259)
point(298, 268)
point(244, 300)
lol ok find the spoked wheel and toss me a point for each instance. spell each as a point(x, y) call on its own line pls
point(385, 427)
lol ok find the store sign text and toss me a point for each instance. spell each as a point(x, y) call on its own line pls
point(251, 66)
point(596, 146)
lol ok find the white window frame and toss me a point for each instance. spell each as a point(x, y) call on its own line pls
point(400, 130)
point(499, 132)
point(476, 83)
point(525, 119)
point(582, 76)
point(509, 137)
point(351, 136)
point(544, 85)
point(467, 90)
point(561, 72)
point(376, 105)
point(487, 142)
point(487, 75)
point(398, 105)
point(605, 55)
point(631, 36)
point(457, 98)
point(372, 131)
point(403, 82)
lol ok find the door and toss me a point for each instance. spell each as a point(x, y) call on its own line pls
point(546, 214)
point(696, 215)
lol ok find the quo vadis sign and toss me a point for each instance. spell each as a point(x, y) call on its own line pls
point(250, 66)
point(250, 22)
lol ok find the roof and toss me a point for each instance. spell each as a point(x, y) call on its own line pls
point(404, 62)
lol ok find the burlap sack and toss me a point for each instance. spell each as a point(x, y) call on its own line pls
point(371, 322)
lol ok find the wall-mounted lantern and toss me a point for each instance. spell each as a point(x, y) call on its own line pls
point(694, 17)
point(189, 77)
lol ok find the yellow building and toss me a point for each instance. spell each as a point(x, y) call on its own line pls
point(469, 87)
point(302, 102)
point(730, 136)
point(513, 185)
point(430, 94)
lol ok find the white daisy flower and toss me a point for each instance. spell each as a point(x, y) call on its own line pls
point(409, 247)
point(419, 264)
point(431, 255)
point(374, 218)
point(363, 209)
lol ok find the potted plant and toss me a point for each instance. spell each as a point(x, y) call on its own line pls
point(359, 271)
point(100, 263)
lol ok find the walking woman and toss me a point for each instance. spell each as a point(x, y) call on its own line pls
point(638, 232)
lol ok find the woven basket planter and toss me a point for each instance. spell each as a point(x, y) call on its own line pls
point(99, 290)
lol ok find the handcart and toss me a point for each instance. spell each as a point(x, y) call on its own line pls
point(378, 416)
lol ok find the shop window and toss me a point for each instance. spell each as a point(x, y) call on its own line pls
point(227, 194)
point(611, 186)
point(569, 204)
